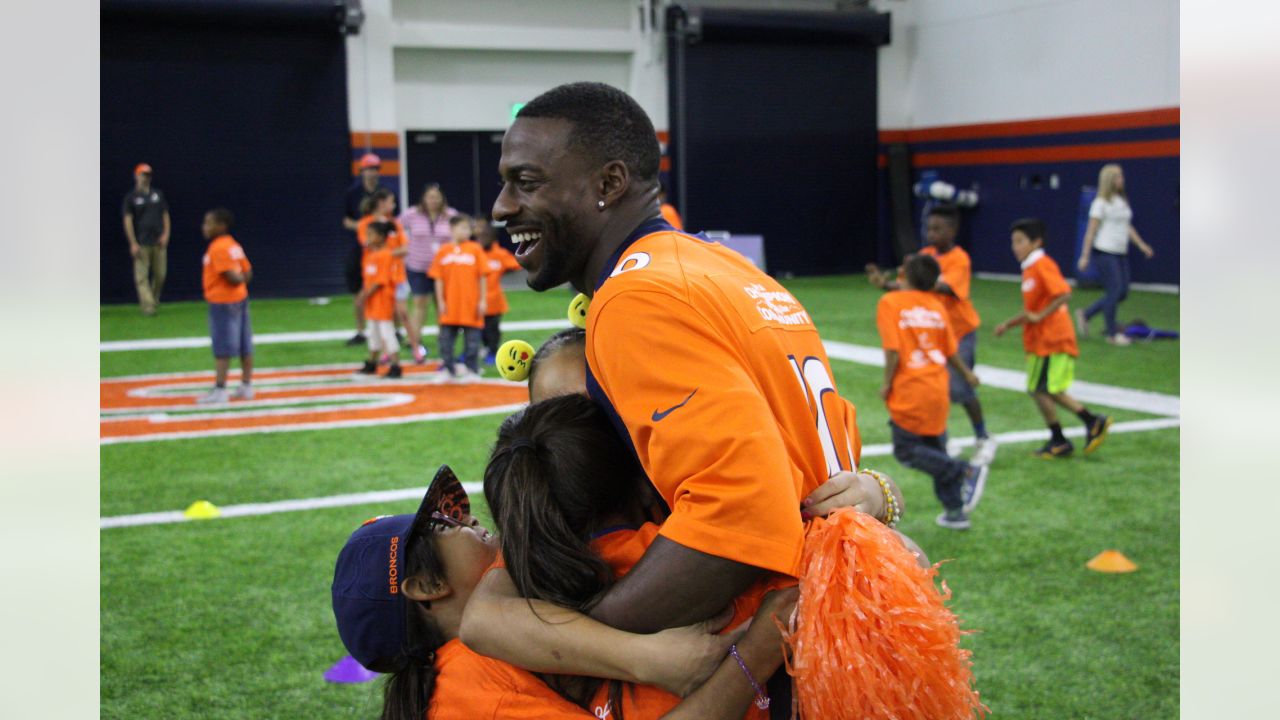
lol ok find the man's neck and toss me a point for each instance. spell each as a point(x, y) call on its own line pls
point(631, 215)
point(144, 187)
point(370, 186)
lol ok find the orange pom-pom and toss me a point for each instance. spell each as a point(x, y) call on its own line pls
point(873, 637)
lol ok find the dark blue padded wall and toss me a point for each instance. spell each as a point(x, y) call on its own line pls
point(238, 104)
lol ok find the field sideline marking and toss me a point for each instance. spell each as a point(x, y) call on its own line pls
point(380, 496)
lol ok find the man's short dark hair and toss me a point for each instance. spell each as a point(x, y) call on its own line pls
point(922, 271)
point(607, 123)
point(948, 212)
point(223, 217)
point(1032, 227)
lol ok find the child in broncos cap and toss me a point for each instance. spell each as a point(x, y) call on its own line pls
point(399, 589)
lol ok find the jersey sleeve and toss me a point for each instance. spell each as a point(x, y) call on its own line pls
point(949, 345)
point(1096, 209)
point(1051, 278)
point(221, 258)
point(957, 276)
point(887, 324)
point(242, 259)
point(700, 427)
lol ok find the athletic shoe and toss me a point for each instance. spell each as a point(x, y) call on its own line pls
point(394, 371)
point(244, 392)
point(1053, 449)
point(984, 451)
point(216, 396)
point(975, 481)
point(419, 355)
point(956, 519)
point(1097, 433)
point(1082, 323)
point(370, 368)
point(357, 339)
point(476, 375)
point(1120, 339)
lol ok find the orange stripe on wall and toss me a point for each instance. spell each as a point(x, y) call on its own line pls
point(1077, 123)
point(1052, 153)
point(388, 167)
point(382, 140)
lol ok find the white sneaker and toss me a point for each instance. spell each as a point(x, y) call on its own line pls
point(984, 451)
point(975, 481)
point(953, 447)
point(1120, 339)
point(244, 392)
point(216, 396)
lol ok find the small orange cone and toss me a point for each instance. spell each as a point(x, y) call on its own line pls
point(202, 510)
point(1111, 561)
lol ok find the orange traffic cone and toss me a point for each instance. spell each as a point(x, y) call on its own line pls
point(1111, 561)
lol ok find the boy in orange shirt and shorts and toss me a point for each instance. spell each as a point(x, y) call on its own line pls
point(1049, 339)
point(919, 345)
point(379, 301)
point(227, 273)
point(459, 269)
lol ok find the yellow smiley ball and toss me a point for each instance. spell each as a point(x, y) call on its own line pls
point(578, 310)
point(513, 360)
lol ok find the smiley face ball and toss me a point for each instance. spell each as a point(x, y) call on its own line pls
point(513, 360)
point(578, 310)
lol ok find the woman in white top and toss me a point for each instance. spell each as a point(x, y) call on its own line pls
point(1106, 244)
point(427, 225)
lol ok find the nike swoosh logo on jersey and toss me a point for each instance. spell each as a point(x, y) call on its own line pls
point(660, 415)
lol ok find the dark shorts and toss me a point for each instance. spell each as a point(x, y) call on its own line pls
point(420, 284)
point(352, 271)
point(961, 391)
point(230, 330)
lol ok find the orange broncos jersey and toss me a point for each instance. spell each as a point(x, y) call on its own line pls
point(377, 270)
point(957, 274)
point(397, 239)
point(914, 324)
point(721, 381)
point(500, 260)
point(1042, 281)
point(459, 268)
point(224, 254)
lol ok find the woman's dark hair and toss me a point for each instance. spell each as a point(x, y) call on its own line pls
point(422, 197)
point(557, 469)
point(411, 676)
point(371, 201)
point(553, 345)
point(922, 271)
point(1032, 227)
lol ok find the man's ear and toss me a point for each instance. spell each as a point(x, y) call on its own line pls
point(418, 587)
point(615, 178)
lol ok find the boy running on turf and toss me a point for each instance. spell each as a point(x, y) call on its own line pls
point(918, 345)
point(1050, 340)
point(227, 273)
point(379, 300)
point(459, 269)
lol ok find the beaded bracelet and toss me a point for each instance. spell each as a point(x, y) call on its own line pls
point(762, 700)
point(891, 501)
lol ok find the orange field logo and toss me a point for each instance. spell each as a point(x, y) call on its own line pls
point(163, 407)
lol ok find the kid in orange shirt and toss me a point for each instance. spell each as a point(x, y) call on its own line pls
point(378, 299)
point(459, 269)
point(918, 347)
point(500, 261)
point(1049, 340)
point(227, 273)
point(382, 208)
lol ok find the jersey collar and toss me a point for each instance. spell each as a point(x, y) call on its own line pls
point(1032, 258)
point(648, 227)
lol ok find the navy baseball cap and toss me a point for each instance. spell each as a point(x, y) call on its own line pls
point(368, 603)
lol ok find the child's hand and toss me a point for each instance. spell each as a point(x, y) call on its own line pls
point(884, 392)
point(1001, 328)
point(482, 308)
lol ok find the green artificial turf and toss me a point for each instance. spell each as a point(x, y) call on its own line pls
point(231, 617)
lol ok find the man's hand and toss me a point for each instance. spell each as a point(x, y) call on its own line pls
point(859, 491)
point(164, 241)
point(134, 249)
point(681, 659)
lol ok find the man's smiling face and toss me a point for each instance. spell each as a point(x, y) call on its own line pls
point(547, 201)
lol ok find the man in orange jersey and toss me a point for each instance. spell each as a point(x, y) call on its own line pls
point(1049, 339)
point(459, 269)
point(377, 297)
point(500, 261)
point(710, 368)
point(941, 226)
point(918, 344)
point(227, 273)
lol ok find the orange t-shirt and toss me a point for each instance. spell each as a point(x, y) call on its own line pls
point(672, 216)
point(459, 268)
point(498, 261)
point(381, 303)
point(470, 685)
point(397, 239)
point(224, 254)
point(957, 273)
point(1042, 281)
point(733, 412)
point(914, 323)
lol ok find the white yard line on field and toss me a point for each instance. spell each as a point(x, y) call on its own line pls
point(387, 496)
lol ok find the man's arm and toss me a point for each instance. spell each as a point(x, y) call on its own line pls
point(129, 234)
point(164, 234)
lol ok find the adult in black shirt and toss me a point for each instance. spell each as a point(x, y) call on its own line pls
point(358, 196)
point(146, 225)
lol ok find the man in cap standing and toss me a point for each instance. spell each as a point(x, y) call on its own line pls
point(357, 195)
point(146, 225)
